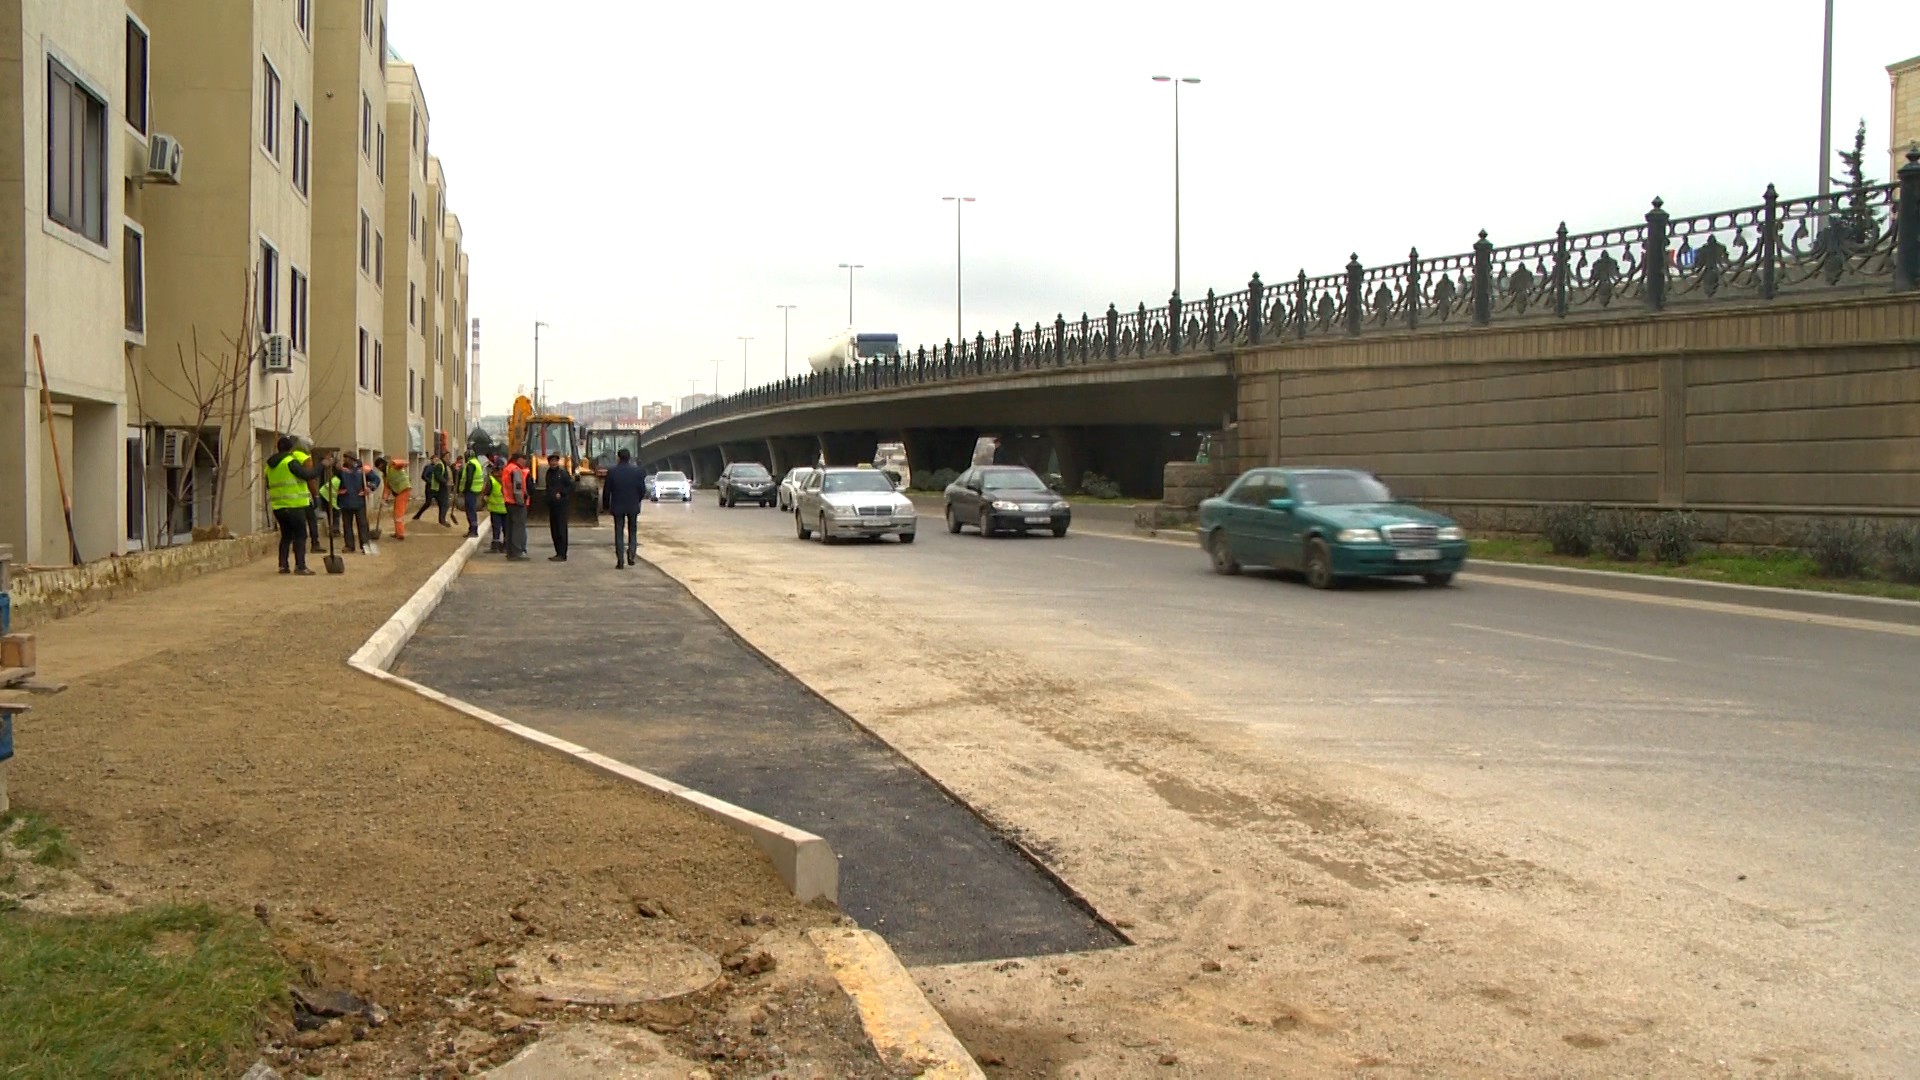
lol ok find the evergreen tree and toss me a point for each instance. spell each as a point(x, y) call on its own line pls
point(1861, 224)
point(479, 440)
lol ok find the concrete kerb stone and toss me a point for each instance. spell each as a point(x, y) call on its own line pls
point(1798, 601)
point(805, 862)
point(899, 1020)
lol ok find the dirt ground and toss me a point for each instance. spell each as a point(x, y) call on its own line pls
point(1287, 920)
point(213, 746)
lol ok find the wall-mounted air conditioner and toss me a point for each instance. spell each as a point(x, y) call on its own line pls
point(276, 354)
point(164, 156)
point(175, 445)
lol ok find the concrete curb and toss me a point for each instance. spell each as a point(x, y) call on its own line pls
point(1798, 601)
point(899, 1020)
point(805, 862)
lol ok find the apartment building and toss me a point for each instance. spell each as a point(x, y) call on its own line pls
point(410, 255)
point(451, 336)
point(67, 130)
point(223, 366)
point(1903, 119)
point(351, 143)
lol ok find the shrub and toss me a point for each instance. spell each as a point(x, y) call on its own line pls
point(1096, 486)
point(1673, 536)
point(1902, 544)
point(1620, 535)
point(937, 480)
point(1569, 530)
point(1840, 547)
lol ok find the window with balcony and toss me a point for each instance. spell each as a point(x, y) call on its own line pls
point(76, 155)
point(269, 301)
point(269, 108)
point(133, 259)
point(138, 56)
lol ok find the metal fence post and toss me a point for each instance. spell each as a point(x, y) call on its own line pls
point(1561, 270)
point(1906, 244)
point(1140, 330)
point(1256, 309)
point(1016, 346)
point(1086, 344)
point(1413, 288)
point(1482, 280)
point(980, 351)
point(1213, 321)
point(1356, 307)
point(1769, 243)
point(1113, 332)
point(1173, 325)
point(1059, 339)
point(1654, 257)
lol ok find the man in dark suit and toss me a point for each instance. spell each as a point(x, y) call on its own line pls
point(620, 495)
point(559, 493)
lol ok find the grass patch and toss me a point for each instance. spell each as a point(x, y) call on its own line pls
point(42, 840)
point(1774, 569)
point(165, 991)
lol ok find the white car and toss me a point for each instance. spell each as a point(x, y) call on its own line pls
point(672, 486)
point(790, 485)
point(852, 502)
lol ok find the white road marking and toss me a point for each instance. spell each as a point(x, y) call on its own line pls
point(1089, 562)
point(1569, 644)
point(1838, 621)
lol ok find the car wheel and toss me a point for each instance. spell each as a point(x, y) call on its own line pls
point(764, 504)
point(906, 538)
point(1319, 566)
point(1059, 530)
point(825, 536)
point(800, 527)
point(986, 522)
point(1217, 550)
point(953, 523)
point(1438, 581)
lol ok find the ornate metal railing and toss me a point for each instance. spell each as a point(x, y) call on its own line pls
point(1849, 240)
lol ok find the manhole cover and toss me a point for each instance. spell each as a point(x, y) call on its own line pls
point(645, 971)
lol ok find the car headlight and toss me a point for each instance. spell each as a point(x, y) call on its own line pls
point(1358, 536)
point(1061, 508)
point(1453, 532)
point(1002, 504)
point(846, 511)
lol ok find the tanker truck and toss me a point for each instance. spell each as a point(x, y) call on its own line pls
point(850, 347)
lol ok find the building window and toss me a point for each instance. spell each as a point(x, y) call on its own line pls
point(303, 17)
point(416, 129)
point(366, 379)
point(366, 243)
point(134, 261)
point(381, 44)
point(76, 155)
point(439, 413)
point(137, 58)
point(269, 288)
point(379, 259)
point(380, 151)
point(410, 303)
point(270, 108)
point(379, 363)
point(413, 215)
point(302, 151)
point(299, 293)
point(410, 397)
point(366, 23)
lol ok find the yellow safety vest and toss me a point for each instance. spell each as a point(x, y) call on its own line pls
point(285, 491)
point(479, 481)
point(398, 481)
point(496, 496)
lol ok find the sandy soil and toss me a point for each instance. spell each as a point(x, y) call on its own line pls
point(214, 747)
point(1287, 921)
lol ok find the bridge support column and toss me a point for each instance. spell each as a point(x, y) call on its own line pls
point(1069, 455)
point(930, 450)
point(847, 448)
point(707, 463)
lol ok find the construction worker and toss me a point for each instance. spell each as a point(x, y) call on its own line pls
point(434, 485)
point(497, 510)
point(287, 474)
point(519, 485)
point(559, 492)
point(355, 487)
point(473, 488)
point(399, 488)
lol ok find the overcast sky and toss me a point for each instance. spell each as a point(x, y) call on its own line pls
point(653, 178)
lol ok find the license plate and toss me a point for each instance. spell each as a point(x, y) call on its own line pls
point(1038, 519)
point(1417, 555)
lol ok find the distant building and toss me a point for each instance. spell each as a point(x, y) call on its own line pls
point(495, 425)
point(694, 401)
point(1904, 123)
point(654, 413)
point(600, 412)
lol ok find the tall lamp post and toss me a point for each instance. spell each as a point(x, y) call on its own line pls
point(1176, 170)
point(786, 337)
point(959, 328)
point(537, 324)
point(743, 362)
point(1826, 114)
point(850, 268)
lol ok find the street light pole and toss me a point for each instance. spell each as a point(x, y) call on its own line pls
point(743, 363)
point(959, 328)
point(716, 377)
point(786, 336)
point(1176, 170)
point(537, 324)
point(850, 268)
point(1826, 114)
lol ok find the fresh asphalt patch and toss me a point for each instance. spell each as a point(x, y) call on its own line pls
point(629, 664)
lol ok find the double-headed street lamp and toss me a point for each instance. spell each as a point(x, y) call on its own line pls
point(537, 324)
point(1176, 170)
point(743, 363)
point(786, 336)
point(850, 268)
point(959, 328)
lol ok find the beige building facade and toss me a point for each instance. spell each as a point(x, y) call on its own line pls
point(447, 330)
point(1904, 116)
point(410, 257)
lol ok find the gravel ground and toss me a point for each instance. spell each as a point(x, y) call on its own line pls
point(214, 746)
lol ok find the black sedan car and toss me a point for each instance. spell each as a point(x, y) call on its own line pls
point(1005, 498)
point(746, 481)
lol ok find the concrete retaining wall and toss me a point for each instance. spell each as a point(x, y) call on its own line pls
point(41, 595)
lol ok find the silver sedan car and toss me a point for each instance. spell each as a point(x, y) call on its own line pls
point(840, 503)
point(789, 494)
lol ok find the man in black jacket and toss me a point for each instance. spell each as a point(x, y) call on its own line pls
point(559, 492)
point(620, 495)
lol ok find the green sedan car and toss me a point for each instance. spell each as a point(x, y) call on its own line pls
point(1329, 524)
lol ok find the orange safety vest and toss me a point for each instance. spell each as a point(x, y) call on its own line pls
point(516, 485)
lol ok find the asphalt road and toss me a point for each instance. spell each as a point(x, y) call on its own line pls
point(1750, 777)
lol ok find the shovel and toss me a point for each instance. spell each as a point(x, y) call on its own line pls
point(335, 564)
point(377, 516)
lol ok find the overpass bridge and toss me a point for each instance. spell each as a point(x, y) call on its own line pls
point(1759, 360)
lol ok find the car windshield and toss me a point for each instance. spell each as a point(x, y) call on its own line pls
point(1011, 481)
point(1340, 488)
point(750, 472)
point(799, 475)
point(855, 481)
point(670, 478)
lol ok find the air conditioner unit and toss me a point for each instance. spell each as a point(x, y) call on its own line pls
point(175, 445)
point(163, 159)
point(276, 354)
